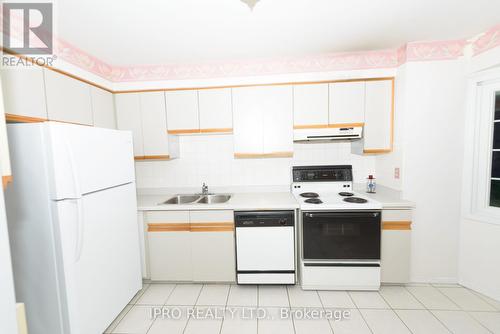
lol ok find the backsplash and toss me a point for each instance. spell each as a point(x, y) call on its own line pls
point(209, 158)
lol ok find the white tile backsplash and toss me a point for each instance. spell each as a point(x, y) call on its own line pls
point(209, 158)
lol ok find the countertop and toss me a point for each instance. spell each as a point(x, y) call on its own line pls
point(261, 198)
point(390, 198)
point(238, 201)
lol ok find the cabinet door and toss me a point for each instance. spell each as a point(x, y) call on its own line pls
point(169, 242)
point(378, 116)
point(276, 104)
point(216, 114)
point(24, 92)
point(128, 116)
point(396, 246)
point(103, 108)
point(182, 111)
point(248, 126)
point(212, 240)
point(347, 102)
point(154, 124)
point(310, 105)
point(68, 99)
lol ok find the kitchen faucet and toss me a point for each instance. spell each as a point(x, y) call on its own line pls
point(204, 189)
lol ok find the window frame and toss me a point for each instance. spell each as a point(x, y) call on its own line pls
point(478, 156)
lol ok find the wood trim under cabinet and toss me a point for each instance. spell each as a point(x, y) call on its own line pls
point(152, 157)
point(325, 126)
point(377, 150)
point(23, 119)
point(183, 131)
point(212, 227)
point(397, 225)
point(217, 130)
point(6, 179)
point(263, 155)
point(168, 227)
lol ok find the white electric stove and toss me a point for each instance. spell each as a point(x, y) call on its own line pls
point(340, 230)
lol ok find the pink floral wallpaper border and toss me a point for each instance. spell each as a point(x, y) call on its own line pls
point(413, 51)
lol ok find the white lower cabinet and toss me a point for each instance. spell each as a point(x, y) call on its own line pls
point(191, 245)
point(396, 246)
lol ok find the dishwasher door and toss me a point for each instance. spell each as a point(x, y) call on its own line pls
point(265, 248)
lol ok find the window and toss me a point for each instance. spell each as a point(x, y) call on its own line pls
point(495, 161)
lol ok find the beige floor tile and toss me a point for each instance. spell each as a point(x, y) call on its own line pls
point(460, 322)
point(173, 322)
point(432, 298)
point(274, 324)
point(303, 298)
point(421, 322)
point(137, 321)
point(273, 295)
point(184, 294)
point(156, 294)
point(384, 322)
point(354, 324)
point(236, 322)
point(213, 294)
point(118, 319)
point(467, 300)
point(399, 298)
point(336, 299)
point(368, 299)
point(242, 295)
point(490, 320)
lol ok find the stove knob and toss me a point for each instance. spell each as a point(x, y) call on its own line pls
point(282, 221)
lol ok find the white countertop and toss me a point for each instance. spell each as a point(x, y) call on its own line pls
point(238, 201)
point(255, 198)
point(390, 198)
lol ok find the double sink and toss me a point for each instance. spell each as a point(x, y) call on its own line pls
point(198, 199)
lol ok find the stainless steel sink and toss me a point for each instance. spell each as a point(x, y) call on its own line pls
point(182, 199)
point(215, 199)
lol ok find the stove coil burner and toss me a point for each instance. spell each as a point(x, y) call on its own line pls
point(309, 195)
point(313, 201)
point(345, 194)
point(355, 200)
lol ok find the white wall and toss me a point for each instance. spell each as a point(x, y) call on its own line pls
point(209, 158)
point(432, 158)
point(479, 241)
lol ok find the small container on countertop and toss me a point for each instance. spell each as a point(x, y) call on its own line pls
point(371, 185)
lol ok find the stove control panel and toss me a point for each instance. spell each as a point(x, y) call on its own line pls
point(322, 173)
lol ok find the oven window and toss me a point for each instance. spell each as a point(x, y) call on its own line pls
point(495, 160)
point(341, 235)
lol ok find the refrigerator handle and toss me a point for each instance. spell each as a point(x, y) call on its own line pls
point(79, 204)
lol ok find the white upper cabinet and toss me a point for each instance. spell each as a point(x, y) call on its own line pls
point(310, 105)
point(182, 111)
point(278, 120)
point(378, 116)
point(248, 124)
point(215, 110)
point(24, 92)
point(68, 100)
point(128, 117)
point(154, 124)
point(347, 102)
point(103, 108)
point(263, 121)
point(144, 114)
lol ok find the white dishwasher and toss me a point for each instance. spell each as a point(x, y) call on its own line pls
point(265, 247)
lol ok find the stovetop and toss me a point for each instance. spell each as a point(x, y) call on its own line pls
point(328, 188)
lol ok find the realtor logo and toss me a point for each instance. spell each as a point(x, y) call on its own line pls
point(27, 28)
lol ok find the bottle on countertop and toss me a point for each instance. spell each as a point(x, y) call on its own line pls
point(371, 185)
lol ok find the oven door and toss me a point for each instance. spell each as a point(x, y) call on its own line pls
point(341, 235)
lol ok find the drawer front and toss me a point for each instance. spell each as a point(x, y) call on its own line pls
point(396, 219)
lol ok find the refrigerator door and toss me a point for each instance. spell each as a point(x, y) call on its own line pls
point(100, 253)
point(86, 159)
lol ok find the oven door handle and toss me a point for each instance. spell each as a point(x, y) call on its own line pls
point(341, 214)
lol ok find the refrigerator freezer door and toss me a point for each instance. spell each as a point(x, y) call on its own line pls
point(100, 248)
point(86, 159)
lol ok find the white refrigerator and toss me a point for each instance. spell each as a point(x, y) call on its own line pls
point(72, 217)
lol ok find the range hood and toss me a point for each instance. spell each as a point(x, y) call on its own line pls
point(327, 134)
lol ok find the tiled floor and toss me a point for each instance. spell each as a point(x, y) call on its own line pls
point(227, 309)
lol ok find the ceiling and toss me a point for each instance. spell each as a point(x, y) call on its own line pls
point(132, 32)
